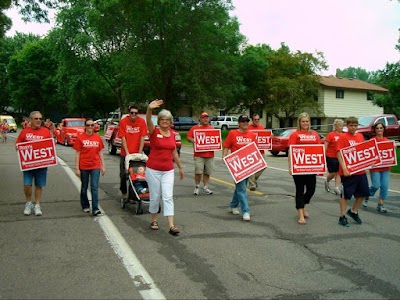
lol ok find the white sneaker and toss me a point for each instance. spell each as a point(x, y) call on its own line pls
point(37, 210)
point(86, 210)
point(207, 191)
point(337, 191)
point(28, 208)
point(246, 217)
point(234, 210)
point(327, 186)
point(196, 190)
point(365, 203)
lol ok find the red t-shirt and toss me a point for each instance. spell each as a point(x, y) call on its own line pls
point(257, 127)
point(304, 137)
point(345, 140)
point(136, 176)
point(29, 134)
point(132, 131)
point(190, 135)
point(236, 139)
point(160, 157)
point(89, 147)
point(383, 168)
point(332, 139)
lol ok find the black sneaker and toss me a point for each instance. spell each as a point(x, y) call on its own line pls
point(354, 216)
point(343, 222)
point(96, 212)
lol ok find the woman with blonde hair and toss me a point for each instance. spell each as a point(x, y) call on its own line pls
point(305, 184)
point(332, 161)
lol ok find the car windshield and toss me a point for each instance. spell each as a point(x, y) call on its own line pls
point(365, 121)
point(286, 133)
point(76, 123)
point(221, 118)
point(11, 121)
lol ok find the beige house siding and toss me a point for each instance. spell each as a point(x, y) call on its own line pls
point(354, 103)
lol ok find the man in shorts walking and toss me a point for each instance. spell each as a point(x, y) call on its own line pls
point(203, 161)
point(352, 185)
point(33, 133)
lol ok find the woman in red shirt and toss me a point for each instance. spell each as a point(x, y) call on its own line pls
point(332, 161)
point(160, 166)
point(305, 184)
point(89, 162)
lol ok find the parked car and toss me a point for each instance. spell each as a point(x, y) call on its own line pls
point(365, 124)
point(114, 142)
point(225, 122)
point(280, 141)
point(183, 123)
point(69, 128)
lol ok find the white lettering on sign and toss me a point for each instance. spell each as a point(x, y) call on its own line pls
point(243, 140)
point(29, 154)
point(387, 153)
point(357, 156)
point(32, 137)
point(238, 164)
point(302, 158)
point(263, 139)
point(202, 138)
point(89, 143)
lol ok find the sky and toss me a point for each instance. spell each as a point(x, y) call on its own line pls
point(350, 33)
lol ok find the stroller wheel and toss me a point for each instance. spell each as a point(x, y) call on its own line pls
point(139, 210)
point(123, 203)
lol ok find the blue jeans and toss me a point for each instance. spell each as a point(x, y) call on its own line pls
point(240, 196)
point(380, 180)
point(94, 188)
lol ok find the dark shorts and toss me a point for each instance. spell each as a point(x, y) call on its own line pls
point(355, 185)
point(332, 164)
point(40, 176)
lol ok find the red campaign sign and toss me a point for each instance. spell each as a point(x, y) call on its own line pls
point(109, 132)
point(307, 159)
point(361, 156)
point(207, 140)
point(37, 154)
point(387, 152)
point(244, 162)
point(263, 139)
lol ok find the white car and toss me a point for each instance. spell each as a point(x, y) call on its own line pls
point(225, 122)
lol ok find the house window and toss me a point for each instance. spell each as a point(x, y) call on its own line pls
point(339, 94)
point(370, 96)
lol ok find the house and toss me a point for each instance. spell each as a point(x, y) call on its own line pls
point(340, 98)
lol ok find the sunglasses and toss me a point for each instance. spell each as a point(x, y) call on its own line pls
point(133, 112)
point(38, 118)
point(256, 119)
point(90, 125)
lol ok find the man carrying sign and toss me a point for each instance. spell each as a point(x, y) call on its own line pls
point(203, 161)
point(32, 133)
point(235, 140)
point(353, 185)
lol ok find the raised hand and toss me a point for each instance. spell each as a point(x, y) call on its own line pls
point(156, 103)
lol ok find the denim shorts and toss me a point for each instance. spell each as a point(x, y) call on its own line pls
point(40, 176)
point(355, 185)
point(332, 164)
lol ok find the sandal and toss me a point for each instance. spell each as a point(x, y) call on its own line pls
point(173, 230)
point(302, 222)
point(154, 225)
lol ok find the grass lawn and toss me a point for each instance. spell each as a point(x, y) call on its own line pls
point(396, 169)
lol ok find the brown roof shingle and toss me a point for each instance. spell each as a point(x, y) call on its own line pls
point(347, 83)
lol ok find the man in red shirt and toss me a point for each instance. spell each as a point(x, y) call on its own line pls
point(132, 130)
point(255, 125)
point(236, 139)
point(203, 161)
point(353, 185)
point(34, 132)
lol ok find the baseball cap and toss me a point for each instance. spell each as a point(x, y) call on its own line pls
point(204, 114)
point(244, 118)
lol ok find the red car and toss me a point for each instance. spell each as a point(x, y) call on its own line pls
point(114, 142)
point(68, 130)
point(280, 141)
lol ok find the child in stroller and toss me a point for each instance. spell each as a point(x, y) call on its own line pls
point(135, 166)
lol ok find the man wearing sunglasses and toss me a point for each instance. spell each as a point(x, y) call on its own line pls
point(132, 130)
point(32, 133)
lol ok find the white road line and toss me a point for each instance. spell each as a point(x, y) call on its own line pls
point(285, 170)
point(140, 277)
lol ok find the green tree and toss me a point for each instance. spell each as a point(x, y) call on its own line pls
point(390, 79)
point(357, 73)
point(292, 82)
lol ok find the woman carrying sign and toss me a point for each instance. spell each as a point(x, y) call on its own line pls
point(235, 140)
point(305, 184)
point(380, 177)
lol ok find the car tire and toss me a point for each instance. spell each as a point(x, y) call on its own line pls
point(224, 127)
point(287, 152)
point(274, 153)
point(112, 150)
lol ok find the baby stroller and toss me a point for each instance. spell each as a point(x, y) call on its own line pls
point(135, 196)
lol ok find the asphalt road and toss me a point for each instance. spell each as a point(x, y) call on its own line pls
point(67, 254)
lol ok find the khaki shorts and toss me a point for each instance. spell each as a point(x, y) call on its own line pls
point(203, 165)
